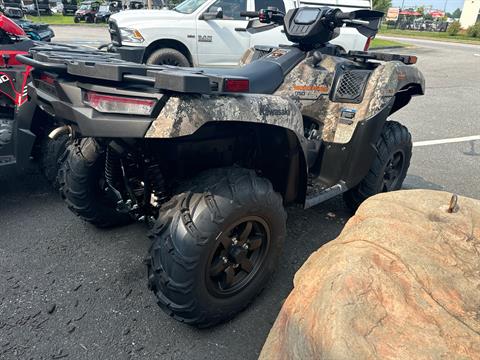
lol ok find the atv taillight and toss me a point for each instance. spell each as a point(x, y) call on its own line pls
point(47, 79)
point(119, 104)
point(236, 85)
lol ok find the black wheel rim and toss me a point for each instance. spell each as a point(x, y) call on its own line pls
point(393, 171)
point(169, 61)
point(238, 256)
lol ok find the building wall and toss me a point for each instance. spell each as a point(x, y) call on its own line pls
point(470, 12)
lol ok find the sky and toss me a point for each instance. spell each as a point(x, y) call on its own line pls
point(436, 4)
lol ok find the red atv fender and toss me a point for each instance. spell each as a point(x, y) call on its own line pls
point(7, 87)
point(10, 27)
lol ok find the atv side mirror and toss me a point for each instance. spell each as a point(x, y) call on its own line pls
point(213, 14)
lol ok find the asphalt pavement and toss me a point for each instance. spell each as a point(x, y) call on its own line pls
point(69, 290)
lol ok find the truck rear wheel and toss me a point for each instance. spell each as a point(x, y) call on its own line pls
point(389, 168)
point(215, 245)
point(83, 187)
point(168, 56)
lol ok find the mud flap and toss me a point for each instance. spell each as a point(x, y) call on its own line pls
point(350, 162)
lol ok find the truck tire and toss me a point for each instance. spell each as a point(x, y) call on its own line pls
point(168, 56)
point(389, 168)
point(76, 20)
point(82, 187)
point(215, 245)
point(51, 155)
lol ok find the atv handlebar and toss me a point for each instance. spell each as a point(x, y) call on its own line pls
point(266, 16)
point(335, 16)
point(252, 14)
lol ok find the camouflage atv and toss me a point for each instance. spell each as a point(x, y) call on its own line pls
point(210, 157)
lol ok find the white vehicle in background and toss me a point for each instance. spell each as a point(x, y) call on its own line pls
point(210, 32)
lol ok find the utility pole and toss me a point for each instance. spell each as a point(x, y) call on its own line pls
point(38, 8)
point(445, 6)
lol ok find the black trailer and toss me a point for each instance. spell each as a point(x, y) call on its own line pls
point(69, 7)
point(41, 7)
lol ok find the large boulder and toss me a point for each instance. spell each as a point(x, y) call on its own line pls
point(402, 281)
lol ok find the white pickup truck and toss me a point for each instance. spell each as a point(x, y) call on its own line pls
point(210, 32)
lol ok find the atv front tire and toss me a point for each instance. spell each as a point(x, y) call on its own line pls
point(215, 245)
point(389, 168)
point(82, 185)
point(168, 56)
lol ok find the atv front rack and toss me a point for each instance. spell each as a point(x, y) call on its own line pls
point(365, 56)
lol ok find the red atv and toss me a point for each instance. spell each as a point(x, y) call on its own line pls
point(20, 140)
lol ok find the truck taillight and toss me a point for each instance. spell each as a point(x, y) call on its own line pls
point(367, 44)
point(236, 85)
point(119, 104)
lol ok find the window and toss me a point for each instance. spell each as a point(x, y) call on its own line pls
point(189, 6)
point(231, 8)
point(263, 4)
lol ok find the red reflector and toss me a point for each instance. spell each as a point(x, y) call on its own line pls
point(236, 85)
point(47, 78)
point(367, 44)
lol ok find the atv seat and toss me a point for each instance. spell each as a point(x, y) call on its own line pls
point(264, 76)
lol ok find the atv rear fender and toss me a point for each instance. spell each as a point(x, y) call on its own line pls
point(188, 114)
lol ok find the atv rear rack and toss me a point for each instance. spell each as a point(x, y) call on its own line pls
point(100, 65)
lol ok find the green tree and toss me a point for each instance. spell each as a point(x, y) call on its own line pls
point(454, 28)
point(382, 5)
point(421, 10)
point(457, 13)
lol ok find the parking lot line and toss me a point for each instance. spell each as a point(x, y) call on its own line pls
point(446, 141)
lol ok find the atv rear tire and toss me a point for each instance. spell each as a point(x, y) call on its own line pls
point(83, 188)
point(52, 154)
point(168, 56)
point(389, 168)
point(215, 245)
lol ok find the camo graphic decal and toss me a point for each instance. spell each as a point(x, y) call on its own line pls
point(305, 92)
point(309, 87)
point(184, 115)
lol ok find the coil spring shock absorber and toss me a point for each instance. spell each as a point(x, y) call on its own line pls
point(157, 185)
point(113, 171)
